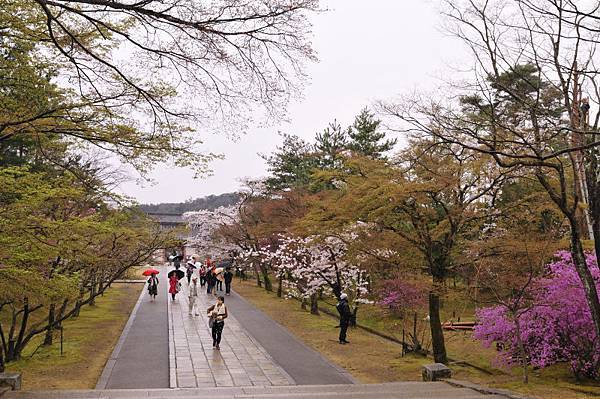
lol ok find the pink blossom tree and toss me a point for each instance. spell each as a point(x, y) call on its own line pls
point(558, 327)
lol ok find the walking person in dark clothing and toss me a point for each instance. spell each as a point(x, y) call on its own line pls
point(228, 277)
point(211, 281)
point(217, 315)
point(343, 309)
point(153, 286)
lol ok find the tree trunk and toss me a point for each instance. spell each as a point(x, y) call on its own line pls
point(354, 313)
point(303, 303)
point(314, 304)
point(267, 280)
point(50, 331)
point(93, 293)
point(280, 287)
point(585, 275)
point(437, 334)
point(522, 352)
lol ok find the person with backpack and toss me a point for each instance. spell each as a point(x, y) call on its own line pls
point(217, 315)
point(343, 309)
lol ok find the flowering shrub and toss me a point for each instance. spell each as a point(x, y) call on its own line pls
point(557, 327)
point(400, 295)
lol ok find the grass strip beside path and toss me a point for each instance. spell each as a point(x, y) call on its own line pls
point(369, 358)
point(88, 343)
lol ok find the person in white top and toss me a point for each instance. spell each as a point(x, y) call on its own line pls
point(192, 296)
point(217, 314)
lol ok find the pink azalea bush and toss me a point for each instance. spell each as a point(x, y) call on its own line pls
point(557, 328)
point(400, 295)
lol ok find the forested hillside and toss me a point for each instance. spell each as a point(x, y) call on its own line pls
point(210, 202)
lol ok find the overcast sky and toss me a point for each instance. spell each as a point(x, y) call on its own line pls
point(367, 51)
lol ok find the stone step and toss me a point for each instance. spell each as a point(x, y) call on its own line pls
point(402, 390)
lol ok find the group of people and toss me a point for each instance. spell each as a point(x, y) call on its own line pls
point(210, 275)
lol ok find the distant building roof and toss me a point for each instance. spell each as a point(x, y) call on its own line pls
point(167, 218)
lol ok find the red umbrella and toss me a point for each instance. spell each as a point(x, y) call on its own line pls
point(149, 272)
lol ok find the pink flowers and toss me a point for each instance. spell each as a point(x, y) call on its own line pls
point(400, 295)
point(558, 327)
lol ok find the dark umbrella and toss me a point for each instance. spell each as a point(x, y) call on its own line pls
point(179, 273)
point(190, 265)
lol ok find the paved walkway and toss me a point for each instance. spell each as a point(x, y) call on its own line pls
point(305, 365)
point(242, 361)
point(141, 357)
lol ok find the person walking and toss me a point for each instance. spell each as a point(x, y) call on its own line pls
point(218, 282)
point(345, 314)
point(177, 259)
point(228, 277)
point(217, 315)
point(189, 270)
point(173, 286)
point(153, 286)
point(193, 296)
point(211, 280)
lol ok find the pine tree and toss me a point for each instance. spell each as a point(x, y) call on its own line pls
point(365, 139)
point(330, 145)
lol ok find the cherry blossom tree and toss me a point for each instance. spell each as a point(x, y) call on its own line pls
point(317, 264)
point(205, 226)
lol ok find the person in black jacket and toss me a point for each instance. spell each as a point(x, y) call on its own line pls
point(228, 276)
point(343, 309)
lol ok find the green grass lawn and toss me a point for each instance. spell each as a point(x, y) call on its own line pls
point(88, 343)
point(372, 359)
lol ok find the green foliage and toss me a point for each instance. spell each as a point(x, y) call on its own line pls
point(18, 286)
point(291, 165)
point(365, 139)
point(330, 145)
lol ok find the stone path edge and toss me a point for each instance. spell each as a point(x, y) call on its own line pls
point(110, 363)
point(172, 362)
point(484, 390)
point(340, 369)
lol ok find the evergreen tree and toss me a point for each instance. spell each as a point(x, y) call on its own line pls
point(365, 139)
point(330, 145)
point(291, 164)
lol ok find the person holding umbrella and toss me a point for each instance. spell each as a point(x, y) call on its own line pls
point(152, 282)
point(218, 279)
point(173, 285)
point(189, 266)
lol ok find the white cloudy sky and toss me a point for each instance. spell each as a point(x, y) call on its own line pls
point(367, 50)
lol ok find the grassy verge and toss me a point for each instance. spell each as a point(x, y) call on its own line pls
point(372, 359)
point(88, 342)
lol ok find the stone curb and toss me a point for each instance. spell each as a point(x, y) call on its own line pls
point(112, 360)
point(172, 361)
point(484, 390)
